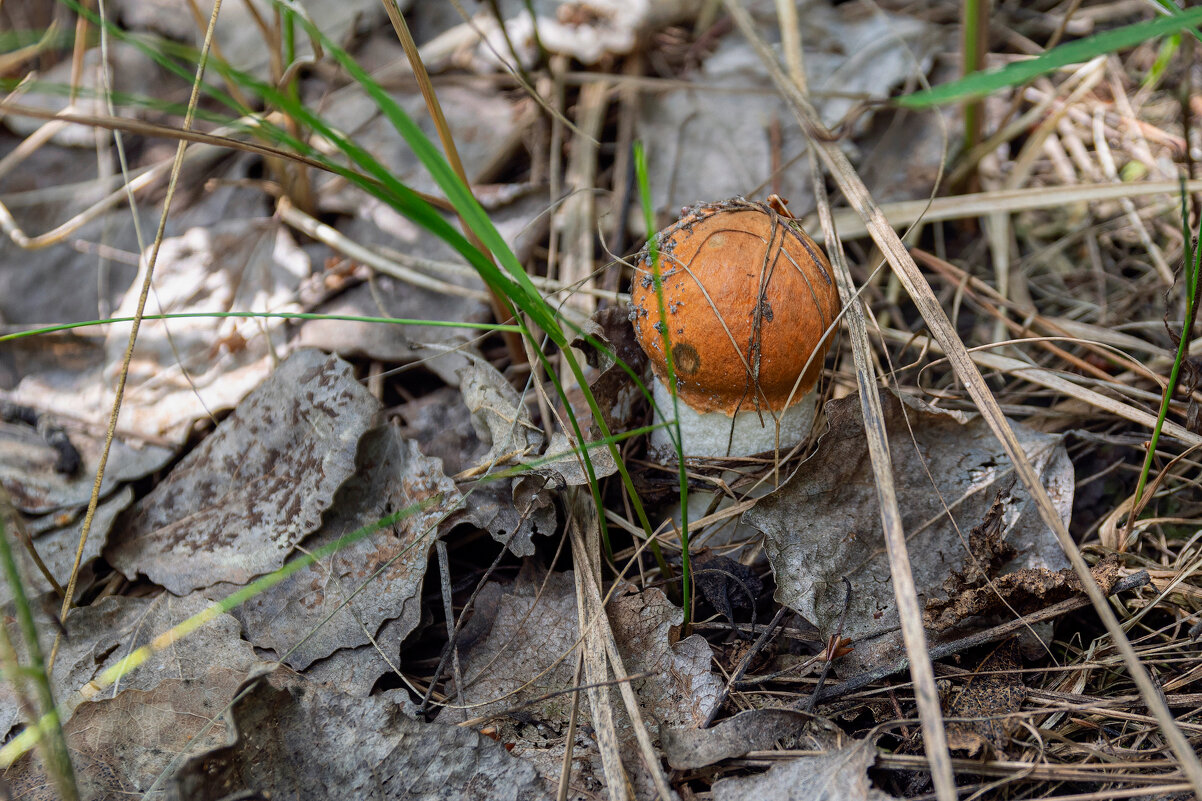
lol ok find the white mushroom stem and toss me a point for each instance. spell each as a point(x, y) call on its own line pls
point(708, 434)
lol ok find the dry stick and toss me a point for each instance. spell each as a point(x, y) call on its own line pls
point(962, 364)
point(596, 673)
point(94, 501)
point(945, 649)
point(565, 770)
point(585, 546)
point(513, 341)
point(904, 589)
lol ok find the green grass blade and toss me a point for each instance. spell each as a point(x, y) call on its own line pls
point(686, 574)
point(983, 83)
point(55, 755)
point(51, 329)
point(1191, 268)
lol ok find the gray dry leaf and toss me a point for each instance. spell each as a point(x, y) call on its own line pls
point(220, 253)
point(840, 775)
point(337, 602)
point(238, 504)
point(114, 759)
point(355, 671)
point(499, 414)
point(241, 39)
point(444, 428)
point(27, 471)
point(299, 741)
point(184, 370)
point(56, 548)
point(563, 463)
point(723, 120)
point(824, 524)
point(99, 636)
point(487, 127)
point(501, 420)
point(527, 654)
point(753, 730)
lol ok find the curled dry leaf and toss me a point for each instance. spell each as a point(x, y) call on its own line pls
point(238, 504)
point(617, 395)
point(499, 416)
point(355, 671)
point(292, 740)
point(1021, 592)
point(445, 428)
point(824, 524)
point(338, 602)
point(838, 775)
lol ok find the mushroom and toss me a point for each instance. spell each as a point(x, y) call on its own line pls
point(748, 298)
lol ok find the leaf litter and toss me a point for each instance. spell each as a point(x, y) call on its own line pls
point(235, 507)
point(284, 475)
point(824, 524)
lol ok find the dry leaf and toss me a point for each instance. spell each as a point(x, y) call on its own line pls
point(445, 428)
point(322, 609)
point(840, 775)
point(753, 730)
point(99, 636)
point(527, 653)
point(56, 547)
point(721, 121)
point(114, 759)
point(824, 524)
point(28, 474)
point(301, 741)
point(238, 504)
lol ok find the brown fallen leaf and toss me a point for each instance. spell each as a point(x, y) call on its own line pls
point(119, 747)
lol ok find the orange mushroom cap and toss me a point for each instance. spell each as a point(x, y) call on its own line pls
point(748, 296)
